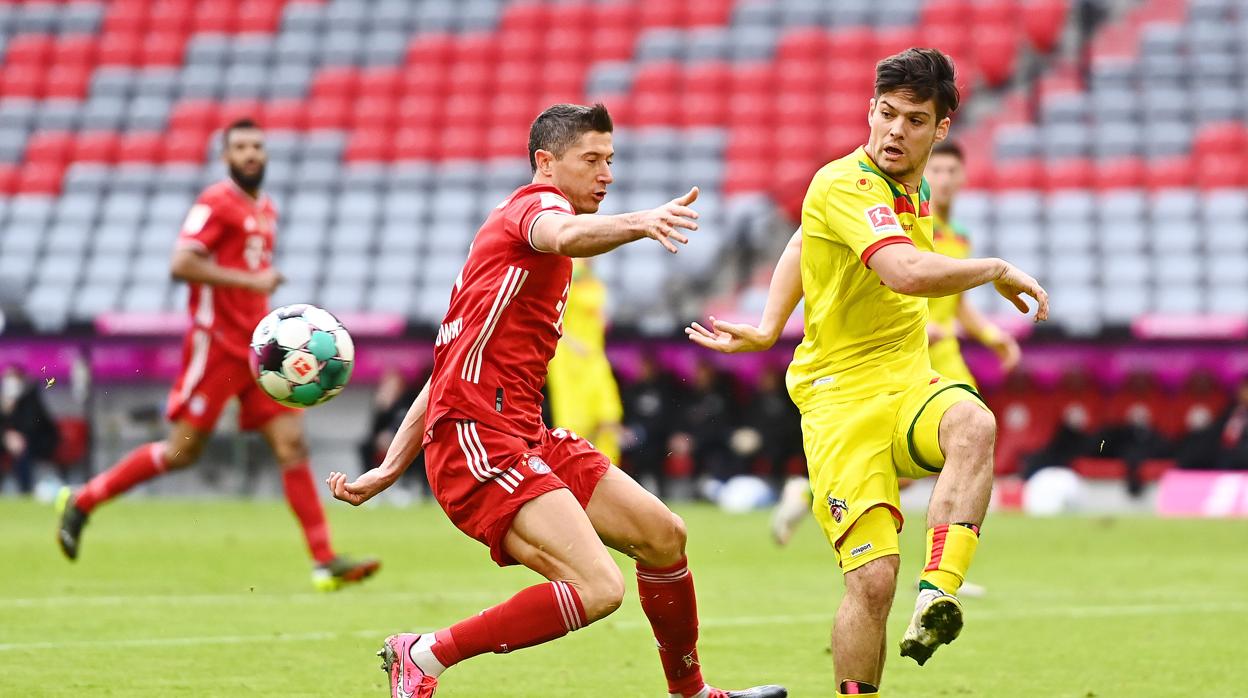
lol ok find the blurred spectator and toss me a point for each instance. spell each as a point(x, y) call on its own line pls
point(393, 398)
point(1223, 444)
point(648, 424)
point(774, 426)
point(1134, 441)
point(706, 416)
point(1070, 440)
point(28, 429)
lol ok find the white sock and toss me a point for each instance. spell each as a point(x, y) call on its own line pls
point(422, 656)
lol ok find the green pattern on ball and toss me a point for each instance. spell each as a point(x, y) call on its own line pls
point(322, 345)
point(307, 394)
point(331, 374)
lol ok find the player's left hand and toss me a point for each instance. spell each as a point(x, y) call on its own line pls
point(1007, 352)
point(363, 489)
point(729, 337)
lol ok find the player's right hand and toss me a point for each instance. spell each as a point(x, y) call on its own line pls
point(729, 337)
point(267, 281)
point(363, 489)
point(1012, 283)
point(664, 223)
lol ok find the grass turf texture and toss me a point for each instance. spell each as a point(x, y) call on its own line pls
point(174, 598)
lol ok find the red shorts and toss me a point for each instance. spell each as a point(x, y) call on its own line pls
point(210, 377)
point(482, 477)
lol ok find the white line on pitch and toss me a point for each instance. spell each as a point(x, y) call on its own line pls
point(739, 621)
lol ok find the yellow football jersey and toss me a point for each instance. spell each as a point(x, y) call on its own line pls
point(950, 240)
point(862, 339)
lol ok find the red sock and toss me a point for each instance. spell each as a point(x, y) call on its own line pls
point(535, 615)
point(139, 466)
point(300, 489)
point(668, 599)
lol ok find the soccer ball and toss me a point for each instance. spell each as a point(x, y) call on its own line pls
point(301, 355)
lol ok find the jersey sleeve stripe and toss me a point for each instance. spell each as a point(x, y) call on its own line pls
point(466, 369)
point(882, 243)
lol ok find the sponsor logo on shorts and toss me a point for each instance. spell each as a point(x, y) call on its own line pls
point(860, 550)
point(837, 507)
point(538, 466)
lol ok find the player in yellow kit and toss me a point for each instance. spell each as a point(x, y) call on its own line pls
point(872, 408)
point(946, 173)
point(584, 397)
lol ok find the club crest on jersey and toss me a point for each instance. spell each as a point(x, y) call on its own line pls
point(838, 508)
point(882, 219)
point(538, 466)
point(863, 184)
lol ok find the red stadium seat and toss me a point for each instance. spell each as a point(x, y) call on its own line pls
point(217, 17)
point(745, 176)
point(623, 15)
point(507, 141)
point(703, 107)
point(375, 114)
point(517, 77)
point(75, 50)
point(711, 75)
point(430, 51)
point(664, 76)
point(125, 17)
point(236, 109)
point(420, 111)
point(140, 147)
point(661, 14)
point(854, 43)
point(49, 147)
point(799, 110)
point(67, 82)
point(1124, 173)
point(95, 146)
point(461, 142)
point(1152, 469)
point(751, 144)
point(471, 76)
point(996, 53)
point(10, 175)
point(567, 73)
point(512, 109)
point(1220, 139)
point(655, 108)
point(170, 18)
point(475, 48)
point(22, 82)
point(1073, 173)
point(28, 50)
point(806, 76)
point(200, 115)
point(284, 115)
point(812, 44)
point(709, 13)
point(526, 16)
point(367, 145)
point(521, 45)
point(611, 43)
point(419, 81)
point(1167, 173)
point(944, 12)
point(328, 113)
point(185, 146)
point(41, 178)
point(751, 109)
point(1100, 468)
point(1043, 21)
point(260, 15)
point(470, 110)
point(1221, 171)
point(1017, 174)
point(163, 49)
point(418, 143)
point(336, 83)
point(119, 49)
point(893, 40)
point(384, 81)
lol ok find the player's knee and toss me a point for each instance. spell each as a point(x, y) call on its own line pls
point(182, 455)
point(874, 584)
point(665, 544)
point(974, 428)
point(602, 593)
point(291, 452)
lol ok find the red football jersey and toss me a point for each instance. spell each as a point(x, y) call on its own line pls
point(504, 321)
point(238, 232)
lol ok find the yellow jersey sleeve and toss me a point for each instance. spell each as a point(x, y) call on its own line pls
point(858, 212)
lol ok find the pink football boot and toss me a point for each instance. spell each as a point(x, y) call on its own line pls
point(406, 679)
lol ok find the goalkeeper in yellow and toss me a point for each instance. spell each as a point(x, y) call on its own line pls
point(873, 410)
point(584, 397)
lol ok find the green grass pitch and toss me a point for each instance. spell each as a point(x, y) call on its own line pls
point(190, 598)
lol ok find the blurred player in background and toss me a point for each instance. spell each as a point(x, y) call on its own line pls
point(542, 498)
point(873, 410)
point(225, 254)
point(946, 173)
point(584, 397)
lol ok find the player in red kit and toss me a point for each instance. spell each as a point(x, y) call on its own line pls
point(225, 253)
point(543, 498)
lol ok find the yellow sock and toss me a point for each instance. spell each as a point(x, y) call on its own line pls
point(950, 548)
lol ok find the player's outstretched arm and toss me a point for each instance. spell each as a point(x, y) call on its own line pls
point(914, 272)
point(193, 265)
point(782, 297)
point(989, 335)
point(403, 450)
point(588, 235)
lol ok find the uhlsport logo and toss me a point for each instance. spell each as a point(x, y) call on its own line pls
point(837, 507)
point(538, 466)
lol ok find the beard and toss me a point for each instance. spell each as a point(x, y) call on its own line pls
point(246, 181)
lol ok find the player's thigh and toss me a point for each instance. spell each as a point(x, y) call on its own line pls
point(849, 459)
point(209, 379)
point(633, 521)
point(571, 458)
point(552, 535)
point(947, 360)
point(916, 442)
point(283, 431)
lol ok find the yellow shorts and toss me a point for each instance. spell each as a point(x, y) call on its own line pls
point(856, 451)
point(947, 361)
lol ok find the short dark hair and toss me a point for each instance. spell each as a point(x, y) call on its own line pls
point(924, 73)
point(243, 124)
point(557, 128)
point(949, 147)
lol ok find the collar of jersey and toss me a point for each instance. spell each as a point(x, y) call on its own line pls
point(866, 164)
